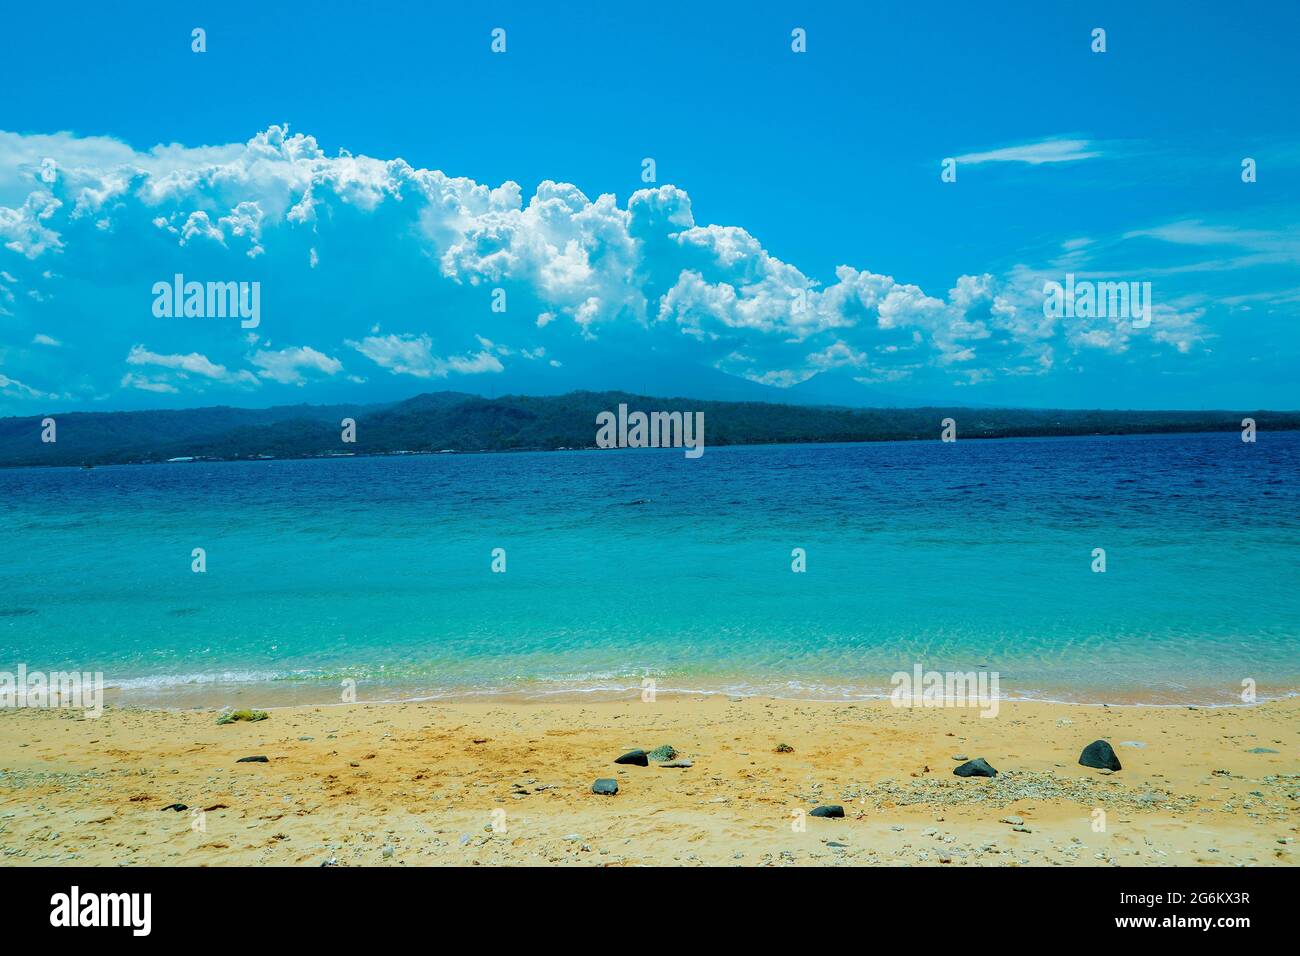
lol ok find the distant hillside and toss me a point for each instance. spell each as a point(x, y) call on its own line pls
point(451, 420)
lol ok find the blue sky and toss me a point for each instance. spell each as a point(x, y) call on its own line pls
point(780, 178)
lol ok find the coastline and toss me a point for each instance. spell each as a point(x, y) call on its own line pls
point(787, 442)
point(510, 782)
point(174, 692)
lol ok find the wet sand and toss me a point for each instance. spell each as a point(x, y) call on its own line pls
point(508, 782)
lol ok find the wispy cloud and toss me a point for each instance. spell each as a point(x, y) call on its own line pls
point(1055, 150)
point(413, 355)
point(192, 363)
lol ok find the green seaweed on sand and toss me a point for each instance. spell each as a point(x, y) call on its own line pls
point(229, 716)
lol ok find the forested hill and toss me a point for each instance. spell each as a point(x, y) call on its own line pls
point(454, 421)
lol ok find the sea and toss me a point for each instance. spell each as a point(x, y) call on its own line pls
point(812, 571)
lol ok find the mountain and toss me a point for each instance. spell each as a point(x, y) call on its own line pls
point(457, 421)
point(841, 387)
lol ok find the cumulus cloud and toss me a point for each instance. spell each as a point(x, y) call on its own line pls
point(339, 242)
point(287, 366)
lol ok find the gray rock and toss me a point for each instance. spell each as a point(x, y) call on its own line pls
point(605, 786)
point(252, 760)
point(830, 810)
point(1100, 756)
point(677, 764)
point(1261, 750)
point(636, 758)
point(979, 767)
point(666, 752)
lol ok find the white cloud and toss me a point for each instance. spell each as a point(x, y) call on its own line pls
point(1043, 151)
point(131, 380)
point(16, 389)
point(413, 355)
point(190, 364)
point(577, 269)
point(286, 366)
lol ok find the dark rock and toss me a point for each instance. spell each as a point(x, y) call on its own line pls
point(252, 760)
point(831, 810)
point(635, 757)
point(605, 786)
point(979, 767)
point(1100, 756)
point(1261, 750)
point(178, 807)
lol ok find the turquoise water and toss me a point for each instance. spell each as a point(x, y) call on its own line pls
point(625, 564)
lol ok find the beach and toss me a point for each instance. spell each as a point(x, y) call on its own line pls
point(510, 782)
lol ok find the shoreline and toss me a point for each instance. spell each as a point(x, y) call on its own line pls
point(496, 782)
point(214, 694)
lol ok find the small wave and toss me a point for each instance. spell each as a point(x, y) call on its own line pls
point(164, 681)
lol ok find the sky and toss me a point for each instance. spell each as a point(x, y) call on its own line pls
point(422, 213)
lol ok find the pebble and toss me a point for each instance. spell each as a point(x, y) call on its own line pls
point(1100, 756)
point(636, 758)
point(979, 767)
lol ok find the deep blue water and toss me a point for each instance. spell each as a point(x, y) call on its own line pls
point(627, 563)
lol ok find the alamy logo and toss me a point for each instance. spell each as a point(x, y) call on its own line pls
point(1086, 299)
point(66, 689)
point(922, 688)
point(209, 300)
point(655, 430)
point(103, 909)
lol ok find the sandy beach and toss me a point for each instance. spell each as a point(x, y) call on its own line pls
point(511, 783)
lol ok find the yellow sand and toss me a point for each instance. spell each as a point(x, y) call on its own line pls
point(510, 783)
